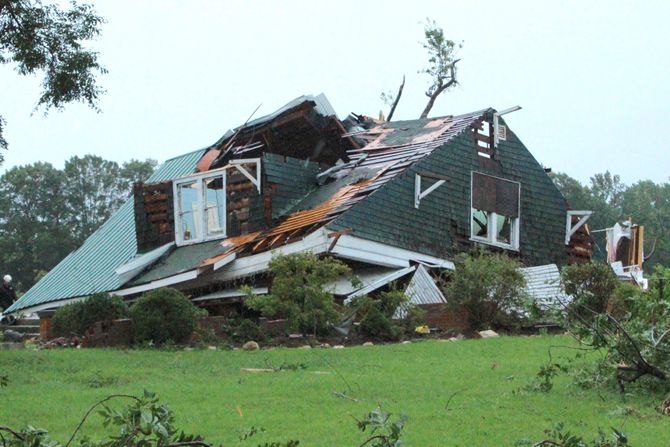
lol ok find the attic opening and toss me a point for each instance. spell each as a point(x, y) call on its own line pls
point(305, 128)
point(482, 132)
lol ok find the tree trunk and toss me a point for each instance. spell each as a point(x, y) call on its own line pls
point(440, 88)
point(397, 99)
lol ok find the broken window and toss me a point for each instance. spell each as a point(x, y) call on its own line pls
point(215, 202)
point(200, 210)
point(495, 211)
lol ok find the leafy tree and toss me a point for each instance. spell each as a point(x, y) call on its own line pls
point(489, 287)
point(96, 188)
point(298, 292)
point(45, 38)
point(45, 213)
point(648, 203)
point(135, 171)
point(34, 232)
point(441, 63)
point(93, 192)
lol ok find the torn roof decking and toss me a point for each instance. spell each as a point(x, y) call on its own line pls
point(392, 149)
point(408, 142)
point(306, 128)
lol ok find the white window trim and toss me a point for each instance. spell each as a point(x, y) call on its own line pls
point(490, 239)
point(491, 229)
point(200, 177)
point(202, 215)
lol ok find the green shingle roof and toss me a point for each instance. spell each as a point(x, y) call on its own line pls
point(91, 268)
point(180, 260)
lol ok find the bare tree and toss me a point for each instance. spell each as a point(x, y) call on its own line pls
point(391, 100)
point(441, 63)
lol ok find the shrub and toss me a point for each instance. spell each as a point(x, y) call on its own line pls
point(80, 317)
point(489, 287)
point(244, 330)
point(298, 292)
point(377, 325)
point(415, 317)
point(629, 327)
point(591, 285)
point(377, 315)
point(162, 315)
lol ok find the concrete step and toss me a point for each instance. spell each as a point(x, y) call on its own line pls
point(20, 328)
point(28, 322)
point(6, 346)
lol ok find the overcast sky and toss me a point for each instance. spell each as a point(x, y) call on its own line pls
point(592, 77)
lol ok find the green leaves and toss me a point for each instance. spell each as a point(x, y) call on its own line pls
point(36, 37)
point(45, 212)
point(559, 436)
point(489, 286)
point(383, 431)
point(299, 294)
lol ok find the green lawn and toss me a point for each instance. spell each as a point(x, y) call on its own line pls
point(211, 396)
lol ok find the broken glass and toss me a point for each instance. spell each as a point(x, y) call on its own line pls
point(503, 229)
point(188, 211)
point(480, 220)
point(215, 206)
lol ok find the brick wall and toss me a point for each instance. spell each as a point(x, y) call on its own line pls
point(438, 315)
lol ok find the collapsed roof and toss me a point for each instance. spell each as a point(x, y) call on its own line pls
point(316, 169)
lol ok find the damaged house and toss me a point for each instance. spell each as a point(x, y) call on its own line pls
point(394, 200)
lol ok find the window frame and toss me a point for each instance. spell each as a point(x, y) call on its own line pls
point(202, 202)
point(492, 217)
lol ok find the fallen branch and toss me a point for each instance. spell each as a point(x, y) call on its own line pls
point(446, 406)
point(90, 410)
point(344, 396)
point(12, 432)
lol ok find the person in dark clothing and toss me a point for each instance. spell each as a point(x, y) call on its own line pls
point(7, 293)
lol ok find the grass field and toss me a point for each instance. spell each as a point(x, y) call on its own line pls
point(211, 396)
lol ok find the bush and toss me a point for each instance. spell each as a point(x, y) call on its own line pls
point(377, 315)
point(379, 326)
point(163, 315)
point(629, 327)
point(591, 284)
point(244, 330)
point(298, 292)
point(489, 287)
point(415, 317)
point(80, 317)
